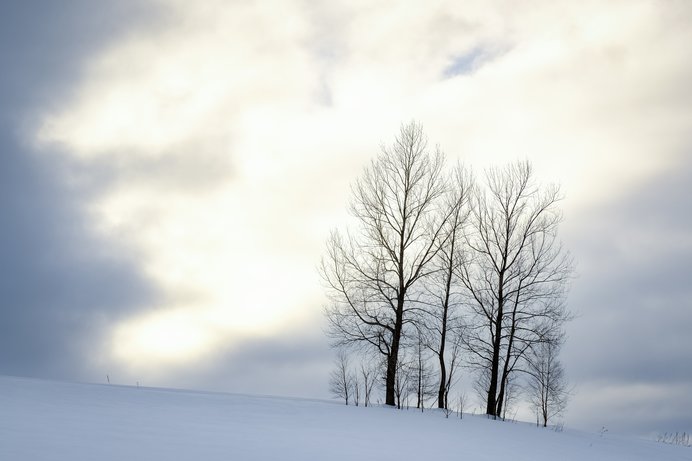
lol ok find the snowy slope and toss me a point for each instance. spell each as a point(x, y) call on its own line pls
point(44, 420)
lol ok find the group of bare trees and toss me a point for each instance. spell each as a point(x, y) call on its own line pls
point(441, 270)
point(354, 385)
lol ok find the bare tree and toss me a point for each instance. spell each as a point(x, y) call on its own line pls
point(514, 273)
point(373, 272)
point(547, 383)
point(462, 403)
point(480, 386)
point(454, 361)
point(421, 380)
point(443, 321)
point(402, 384)
point(340, 382)
point(512, 395)
point(355, 388)
point(368, 375)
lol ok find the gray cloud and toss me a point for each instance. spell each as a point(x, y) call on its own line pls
point(634, 302)
point(44, 45)
point(59, 284)
point(184, 167)
point(295, 361)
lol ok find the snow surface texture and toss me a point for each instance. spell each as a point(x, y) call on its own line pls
point(44, 420)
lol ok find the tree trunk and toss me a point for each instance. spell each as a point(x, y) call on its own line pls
point(441, 400)
point(491, 407)
point(393, 358)
point(390, 380)
point(442, 403)
point(505, 371)
point(443, 390)
point(510, 345)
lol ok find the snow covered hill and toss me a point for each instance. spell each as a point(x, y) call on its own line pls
point(45, 420)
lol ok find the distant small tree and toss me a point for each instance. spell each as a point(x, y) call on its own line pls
point(455, 356)
point(675, 438)
point(512, 395)
point(402, 382)
point(421, 381)
point(368, 376)
point(355, 388)
point(547, 383)
point(462, 402)
point(480, 386)
point(340, 382)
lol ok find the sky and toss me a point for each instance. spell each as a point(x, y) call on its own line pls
point(170, 172)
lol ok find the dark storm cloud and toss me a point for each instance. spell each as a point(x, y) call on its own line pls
point(634, 302)
point(59, 285)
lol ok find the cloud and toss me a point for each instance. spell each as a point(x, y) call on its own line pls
point(61, 285)
point(643, 409)
point(295, 359)
point(630, 346)
point(43, 50)
point(207, 93)
point(189, 81)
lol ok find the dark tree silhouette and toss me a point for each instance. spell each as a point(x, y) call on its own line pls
point(373, 271)
point(443, 319)
point(514, 273)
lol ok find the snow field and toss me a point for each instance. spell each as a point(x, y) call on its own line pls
point(46, 420)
